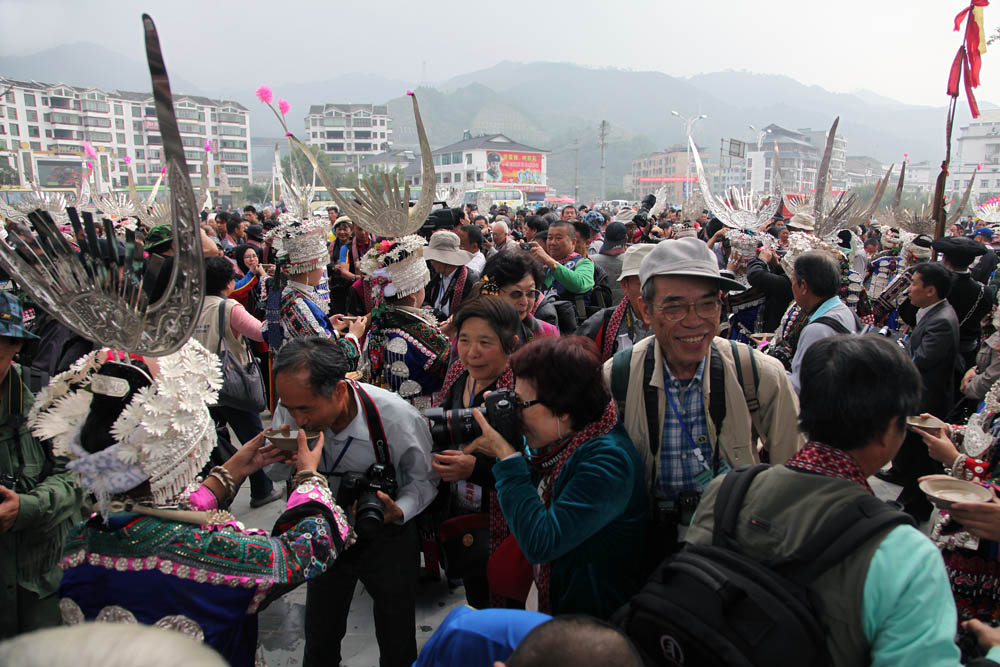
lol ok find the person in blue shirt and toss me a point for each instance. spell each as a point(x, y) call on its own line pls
point(469, 636)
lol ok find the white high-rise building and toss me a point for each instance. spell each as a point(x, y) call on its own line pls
point(977, 147)
point(349, 132)
point(43, 128)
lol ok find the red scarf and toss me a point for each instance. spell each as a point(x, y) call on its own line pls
point(458, 288)
point(611, 331)
point(498, 525)
point(829, 461)
point(551, 464)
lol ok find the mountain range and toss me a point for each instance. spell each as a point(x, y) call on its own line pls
point(557, 107)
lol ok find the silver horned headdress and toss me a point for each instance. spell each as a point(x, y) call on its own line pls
point(100, 293)
point(381, 207)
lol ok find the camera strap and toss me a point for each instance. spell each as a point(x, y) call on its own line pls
point(375, 430)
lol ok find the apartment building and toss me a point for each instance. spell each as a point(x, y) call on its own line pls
point(349, 133)
point(44, 126)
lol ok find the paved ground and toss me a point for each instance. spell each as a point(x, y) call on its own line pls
point(281, 624)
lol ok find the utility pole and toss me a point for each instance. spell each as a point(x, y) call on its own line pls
point(576, 171)
point(688, 125)
point(604, 143)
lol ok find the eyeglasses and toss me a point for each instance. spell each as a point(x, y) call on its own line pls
point(675, 312)
point(524, 405)
point(517, 294)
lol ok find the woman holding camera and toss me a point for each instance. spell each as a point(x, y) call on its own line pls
point(514, 276)
point(487, 335)
point(575, 500)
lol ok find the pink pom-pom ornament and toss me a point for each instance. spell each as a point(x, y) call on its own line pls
point(127, 160)
point(265, 95)
point(284, 106)
point(89, 150)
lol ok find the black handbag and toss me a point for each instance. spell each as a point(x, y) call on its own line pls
point(242, 386)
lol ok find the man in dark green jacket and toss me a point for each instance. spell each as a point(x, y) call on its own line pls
point(39, 500)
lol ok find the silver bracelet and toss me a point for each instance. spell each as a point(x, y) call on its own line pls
point(228, 483)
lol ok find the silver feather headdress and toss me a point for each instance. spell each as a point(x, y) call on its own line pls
point(381, 207)
point(100, 293)
point(740, 209)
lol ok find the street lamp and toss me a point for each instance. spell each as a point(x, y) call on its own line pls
point(760, 135)
point(688, 124)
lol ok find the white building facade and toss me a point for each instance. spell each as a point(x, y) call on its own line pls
point(349, 133)
point(977, 147)
point(44, 127)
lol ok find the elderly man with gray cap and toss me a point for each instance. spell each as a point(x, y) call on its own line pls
point(621, 326)
point(692, 401)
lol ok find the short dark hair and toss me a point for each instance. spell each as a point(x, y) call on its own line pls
point(567, 372)
point(870, 241)
point(575, 639)
point(326, 362)
point(936, 275)
point(542, 210)
point(479, 217)
point(218, 272)
point(498, 313)
point(221, 217)
point(332, 208)
point(507, 268)
point(475, 235)
point(569, 206)
point(583, 229)
point(537, 223)
point(249, 209)
point(845, 399)
point(571, 229)
point(232, 224)
point(819, 271)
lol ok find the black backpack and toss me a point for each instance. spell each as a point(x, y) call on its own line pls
point(712, 605)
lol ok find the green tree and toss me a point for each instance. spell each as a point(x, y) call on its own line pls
point(304, 168)
point(8, 176)
point(254, 193)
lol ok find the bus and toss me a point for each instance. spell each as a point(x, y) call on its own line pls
point(485, 197)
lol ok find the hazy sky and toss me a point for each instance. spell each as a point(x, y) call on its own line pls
point(898, 49)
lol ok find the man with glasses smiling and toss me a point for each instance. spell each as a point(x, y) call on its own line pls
point(691, 401)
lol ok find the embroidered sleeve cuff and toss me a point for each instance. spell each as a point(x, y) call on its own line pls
point(310, 491)
point(203, 499)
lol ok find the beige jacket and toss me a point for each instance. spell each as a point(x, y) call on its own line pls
point(778, 414)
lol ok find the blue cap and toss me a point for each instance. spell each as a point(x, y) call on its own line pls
point(12, 318)
point(985, 232)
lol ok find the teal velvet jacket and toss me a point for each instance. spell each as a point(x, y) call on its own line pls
point(594, 531)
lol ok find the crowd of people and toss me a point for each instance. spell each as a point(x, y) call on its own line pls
point(542, 408)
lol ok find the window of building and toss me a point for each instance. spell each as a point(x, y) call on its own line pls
point(232, 131)
point(33, 131)
point(193, 156)
point(31, 115)
point(232, 143)
point(191, 128)
point(35, 145)
point(446, 178)
point(118, 110)
point(9, 97)
point(29, 100)
point(153, 139)
point(150, 111)
point(96, 122)
point(337, 148)
point(191, 114)
point(63, 134)
point(137, 139)
point(231, 117)
point(456, 158)
point(94, 105)
point(136, 110)
point(195, 142)
point(140, 168)
point(103, 137)
point(232, 156)
point(468, 158)
point(457, 177)
point(120, 138)
point(445, 159)
point(15, 131)
point(140, 154)
point(119, 124)
point(236, 169)
point(154, 153)
point(479, 175)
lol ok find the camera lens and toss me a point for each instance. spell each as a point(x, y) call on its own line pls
point(370, 515)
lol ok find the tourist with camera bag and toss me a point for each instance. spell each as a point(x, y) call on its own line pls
point(473, 525)
point(377, 459)
point(575, 499)
point(224, 326)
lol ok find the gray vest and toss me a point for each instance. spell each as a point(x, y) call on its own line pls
point(786, 508)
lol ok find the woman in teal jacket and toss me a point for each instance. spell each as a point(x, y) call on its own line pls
point(575, 499)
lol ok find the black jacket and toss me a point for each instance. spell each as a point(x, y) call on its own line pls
point(985, 267)
point(933, 345)
point(434, 286)
point(777, 289)
point(972, 302)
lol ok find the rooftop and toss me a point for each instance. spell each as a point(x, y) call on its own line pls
point(492, 142)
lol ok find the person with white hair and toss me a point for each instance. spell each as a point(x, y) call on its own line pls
point(501, 236)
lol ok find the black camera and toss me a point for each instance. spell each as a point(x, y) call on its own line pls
point(526, 245)
point(641, 217)
point(363, 487)
point(450, 429)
